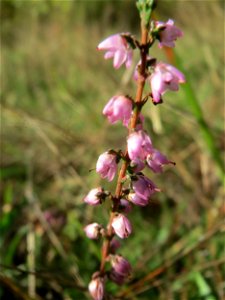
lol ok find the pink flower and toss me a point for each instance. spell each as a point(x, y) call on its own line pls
point(156, 160)
point(96, 288)
point(106, 165)
point(138, 200)
point(143, 187)
point(169, 34)
point(165, 77)
point(94, 196)
point(118, 108)
point(120, 265)
point(139, 145)
point(93, 231)
point(121, 226)
point(117, 47)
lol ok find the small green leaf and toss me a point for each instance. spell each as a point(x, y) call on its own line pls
point(203, 286)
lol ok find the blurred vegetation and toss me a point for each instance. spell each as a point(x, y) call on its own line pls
point(54, 86)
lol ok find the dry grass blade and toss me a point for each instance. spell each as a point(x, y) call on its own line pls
point(134, 288)
point(46, 276)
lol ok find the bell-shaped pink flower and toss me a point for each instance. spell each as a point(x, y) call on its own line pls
point(93, 231)
point(118, 108)
point(96, 288)
point(120, 265)
point(165, 77)
point(143, 187)
point(135, 199)
point(168, 34)
point(116, 46)
point(156, 160)
point(107, 166)
point(139, 145)
point(121, 226)
point(94, 196)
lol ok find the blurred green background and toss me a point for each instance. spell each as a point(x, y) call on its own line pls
point(54, 85)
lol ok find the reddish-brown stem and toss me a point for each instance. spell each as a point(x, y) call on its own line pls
point(133, 123)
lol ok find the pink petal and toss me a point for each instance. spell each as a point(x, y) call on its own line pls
point(119, 58)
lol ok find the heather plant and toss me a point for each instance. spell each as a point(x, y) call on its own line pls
point(133, 187)
point(176, 247)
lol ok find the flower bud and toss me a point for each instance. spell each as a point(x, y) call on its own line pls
point(118, 48)
point(106, 165)
point(93, 231)
point(121, 226)
point(96, 288)
point(120, 265)
point(118, 108)
point(94, 196)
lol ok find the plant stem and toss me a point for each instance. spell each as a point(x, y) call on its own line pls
point(123, 169)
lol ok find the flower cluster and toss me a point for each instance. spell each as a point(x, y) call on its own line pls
point(133, 186)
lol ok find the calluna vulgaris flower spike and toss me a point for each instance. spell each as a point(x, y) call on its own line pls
point(133, 186)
